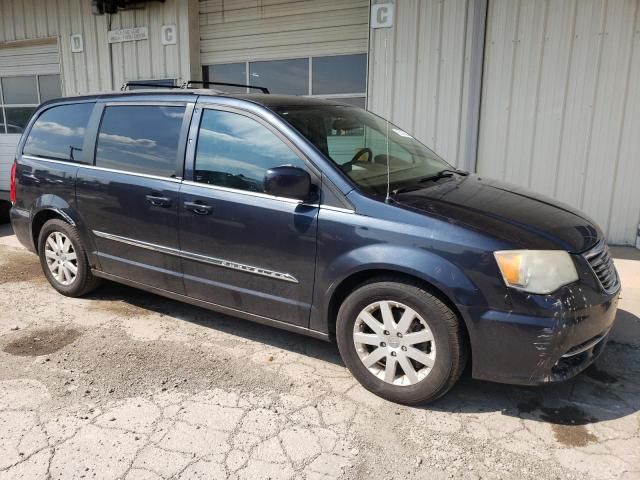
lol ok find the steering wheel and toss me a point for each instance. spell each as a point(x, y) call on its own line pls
point(349, 165)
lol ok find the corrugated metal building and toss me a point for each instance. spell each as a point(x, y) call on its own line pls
point(539, 93)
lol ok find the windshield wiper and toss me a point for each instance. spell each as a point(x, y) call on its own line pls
point(410, 188)
point(444, 173)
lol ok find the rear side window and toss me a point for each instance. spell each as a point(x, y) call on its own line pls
point(140, 139)
point(58, 133)
point(235, 151)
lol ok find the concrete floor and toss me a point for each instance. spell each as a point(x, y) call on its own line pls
point(124, 384)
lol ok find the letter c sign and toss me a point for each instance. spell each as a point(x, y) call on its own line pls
point(382, 15)
point(168, 35)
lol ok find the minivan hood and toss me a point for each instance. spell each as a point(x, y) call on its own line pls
point(513, 214)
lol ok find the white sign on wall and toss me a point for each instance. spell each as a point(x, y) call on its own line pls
point(77, 45)
point(127, 34)
point(382, 15)
point(168, 35)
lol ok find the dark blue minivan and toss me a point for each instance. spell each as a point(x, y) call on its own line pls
point(319, 218)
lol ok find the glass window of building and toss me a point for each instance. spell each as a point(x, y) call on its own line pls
point(19, 97)
point(339, 77)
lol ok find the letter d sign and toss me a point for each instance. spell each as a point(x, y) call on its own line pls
point(382, 15)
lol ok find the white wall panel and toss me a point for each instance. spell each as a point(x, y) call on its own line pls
point(26, 19)
point(245, 30)
point(8, 144)
point(560, 111)
point(418, 72)
point(28, 58)
point(91, 70)
point(28, 46)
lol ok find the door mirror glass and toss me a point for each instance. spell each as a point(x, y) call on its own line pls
point(288, 181)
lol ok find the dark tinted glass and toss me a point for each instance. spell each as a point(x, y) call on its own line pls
point(339, 74)
point(17, 118)
point(235, 151)
point(227, 73)
point(290, 77)
point(59, 132)
point(357, 141)
point(17, 90)
point(49, 87)
point(140, 139)
point(2, 130)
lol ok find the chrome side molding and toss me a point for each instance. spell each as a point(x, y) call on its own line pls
point(218, 262)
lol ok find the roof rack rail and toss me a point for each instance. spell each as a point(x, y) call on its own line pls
point(224, 84)
point(126, 85)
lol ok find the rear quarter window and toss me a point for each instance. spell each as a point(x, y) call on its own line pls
point(58, 133)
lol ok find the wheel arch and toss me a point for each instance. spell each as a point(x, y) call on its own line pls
point(356, 279)
point(431, 269)
point(42, 216)
point(65, 212)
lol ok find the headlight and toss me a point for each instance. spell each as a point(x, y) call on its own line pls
point(536, 271)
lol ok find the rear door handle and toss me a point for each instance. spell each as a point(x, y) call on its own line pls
point(158, 201)
point(198, 207)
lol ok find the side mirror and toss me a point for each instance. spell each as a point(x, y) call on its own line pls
point(287, 181)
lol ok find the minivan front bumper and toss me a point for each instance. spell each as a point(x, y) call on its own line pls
point(523, 349)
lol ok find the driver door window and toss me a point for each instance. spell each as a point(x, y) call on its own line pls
point(235, 151)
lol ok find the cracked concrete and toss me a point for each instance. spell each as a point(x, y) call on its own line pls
point(153, 389)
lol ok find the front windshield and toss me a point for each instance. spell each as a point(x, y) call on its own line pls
point(355, 140)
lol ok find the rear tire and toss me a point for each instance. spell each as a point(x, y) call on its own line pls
point(64, 259)
point(400, 341)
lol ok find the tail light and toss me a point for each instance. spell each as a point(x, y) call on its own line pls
point(12, 188)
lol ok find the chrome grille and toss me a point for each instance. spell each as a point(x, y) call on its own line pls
point(601, 263)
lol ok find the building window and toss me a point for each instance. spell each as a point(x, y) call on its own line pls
point(340, 77)
point(340, 74)
point(227, 73)
point(289, 77)
point(20, 96)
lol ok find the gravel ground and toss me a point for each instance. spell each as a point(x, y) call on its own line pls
point(125, 384)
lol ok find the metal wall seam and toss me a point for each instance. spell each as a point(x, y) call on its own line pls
point(471, 98)
point(426, 78)
point(565, 129)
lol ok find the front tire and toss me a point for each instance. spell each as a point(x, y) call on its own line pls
point(64, 259)
point(400, 341)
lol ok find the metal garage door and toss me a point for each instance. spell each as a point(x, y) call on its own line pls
point(29, 74)
point(560, 104)
point(294, 47)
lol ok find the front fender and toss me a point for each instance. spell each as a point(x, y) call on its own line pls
point(423, 264)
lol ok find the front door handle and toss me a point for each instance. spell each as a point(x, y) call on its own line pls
point(158, 201)
point(198, 207)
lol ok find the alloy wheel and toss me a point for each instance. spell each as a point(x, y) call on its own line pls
point(394, 343)
point(61, 258)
